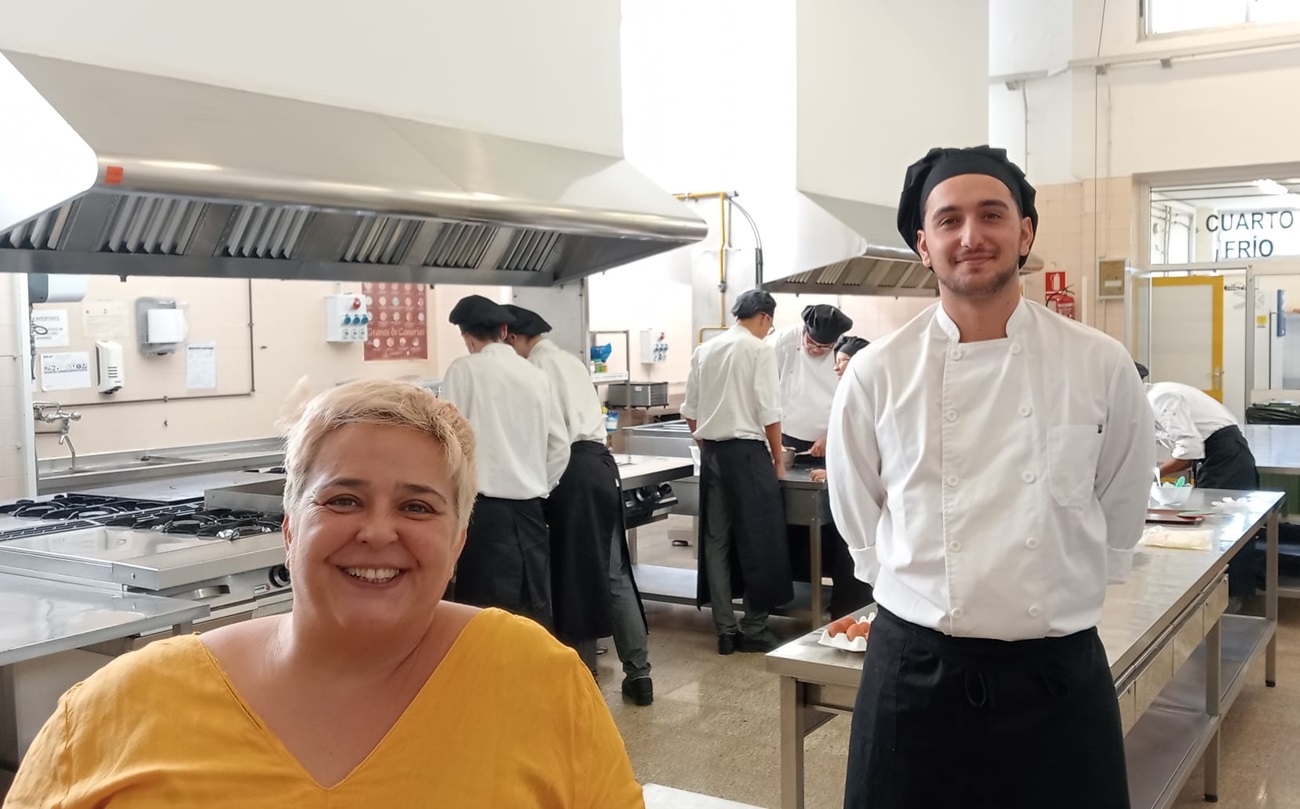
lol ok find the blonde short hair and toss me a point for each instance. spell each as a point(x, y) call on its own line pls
point(394, 404)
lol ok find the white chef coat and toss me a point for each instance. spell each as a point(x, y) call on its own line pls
point(732, 390)
point(807, 385)
point(571, 384)
point(1185, 418)
point(987, 489)
point(522, 443)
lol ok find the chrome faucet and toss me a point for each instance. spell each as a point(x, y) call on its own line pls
point(53, 413)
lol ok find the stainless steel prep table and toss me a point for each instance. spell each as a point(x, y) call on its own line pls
point(648, 470)
point(1276, 448)
point(183, 487)
point(42, 618)
point(1178, 662)
point(807, 503)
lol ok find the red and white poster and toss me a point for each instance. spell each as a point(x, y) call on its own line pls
point(399, 321)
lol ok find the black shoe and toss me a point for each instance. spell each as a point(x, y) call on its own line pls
point(640, 690)
point(727, 643)
point(765, 641)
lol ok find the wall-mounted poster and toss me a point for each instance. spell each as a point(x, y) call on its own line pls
point(399, 321)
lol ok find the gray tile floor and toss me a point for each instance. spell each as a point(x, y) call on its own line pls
point(714, 725)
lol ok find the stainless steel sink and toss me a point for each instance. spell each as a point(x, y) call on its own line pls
point(142, 462)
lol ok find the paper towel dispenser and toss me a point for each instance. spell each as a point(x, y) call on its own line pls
point(160, 326)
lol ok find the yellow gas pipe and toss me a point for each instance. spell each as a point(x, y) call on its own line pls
point(722, 196)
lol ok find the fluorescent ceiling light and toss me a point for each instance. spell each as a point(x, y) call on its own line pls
point(1270, 186)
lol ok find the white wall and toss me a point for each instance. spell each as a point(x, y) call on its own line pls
point(1029, 35)
point(541, 71)
point(881, 83)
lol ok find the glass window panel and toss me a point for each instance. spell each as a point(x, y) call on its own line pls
point(1170, 16)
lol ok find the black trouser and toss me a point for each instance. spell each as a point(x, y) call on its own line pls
point(1229, 464)
point(849, 593)
point(506, 560)
point(975, 723)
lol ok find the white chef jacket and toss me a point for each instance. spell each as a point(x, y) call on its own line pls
point(522, 443)
point(807, 385)
point(1185, 418)
point(987, 489)
point(732, 390)
point(571, 384)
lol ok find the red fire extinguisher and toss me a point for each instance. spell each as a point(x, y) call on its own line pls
point(1061, 302)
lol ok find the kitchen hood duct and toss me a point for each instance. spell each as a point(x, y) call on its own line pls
point(861, 253)
point(196, 180)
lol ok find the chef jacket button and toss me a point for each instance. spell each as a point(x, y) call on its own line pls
point(1015, 348)
point(954, 546)
point(1028, 477)
point(1031, 543)
point(1035, 611)
point(951, 480)
point(950, 415)
point(958, 612)
point(954, 353)
point(1026, 411)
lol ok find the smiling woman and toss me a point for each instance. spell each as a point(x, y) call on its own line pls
point(373, 691)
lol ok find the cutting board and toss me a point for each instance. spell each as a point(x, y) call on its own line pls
point(1172, 516)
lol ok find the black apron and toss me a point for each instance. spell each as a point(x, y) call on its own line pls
point(984, 724)
point(582, 513)
point(761, 561)
point(1229, 463)
point(506, 560)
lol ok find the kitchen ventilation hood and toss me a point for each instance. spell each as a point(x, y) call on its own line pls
point(876, 260)
point(197, 180)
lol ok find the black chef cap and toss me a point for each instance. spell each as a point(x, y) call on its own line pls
point(941, 164)
point(825, 323)
point(526, 321)
point(753, 302)
point(848, 344)
point(477, 312)
point(1142, 370)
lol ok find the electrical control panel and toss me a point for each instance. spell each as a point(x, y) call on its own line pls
point(347, 318)
point(654, 346)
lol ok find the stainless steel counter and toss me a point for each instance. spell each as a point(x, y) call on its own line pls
point(182, 487)
point(1276, 447)
point(649, 470)
point(42, 619)
point(39, 618)
point(57, 475)
point(1144, 624)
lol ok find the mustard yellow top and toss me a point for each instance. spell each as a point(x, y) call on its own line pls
point(510, 718)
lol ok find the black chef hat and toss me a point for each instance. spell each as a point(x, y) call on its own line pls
point(941, 164)
point(825, 323)
point(1142, 371)
point(526, 321)
point(753, 302)
point(848, 344)
point(477, 312)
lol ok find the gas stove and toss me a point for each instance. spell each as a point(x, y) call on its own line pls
point(65, 512)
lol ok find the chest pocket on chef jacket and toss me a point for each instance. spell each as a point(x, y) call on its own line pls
point(1072, 453)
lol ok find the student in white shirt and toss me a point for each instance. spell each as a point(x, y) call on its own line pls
point(1202, 435)
point(523, 448)
point(989, 466)
point(733, 408)
point(591, 580)
point(805, 366)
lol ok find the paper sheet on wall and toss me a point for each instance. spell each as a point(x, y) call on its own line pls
point(105, 320)
point(65, 371)
point(50, 327)
point(200, 366)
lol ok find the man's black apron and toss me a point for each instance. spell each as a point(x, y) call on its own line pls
point(506, 560)
point(984, 724)
point(1229, 463)
point(582, 513)
point(761, 558)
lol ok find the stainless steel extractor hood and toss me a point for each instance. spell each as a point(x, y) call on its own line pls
point(198, 180)
point(860, 252)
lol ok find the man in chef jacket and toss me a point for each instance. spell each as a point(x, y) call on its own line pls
point(805, 366)
point(591, 580)
point(522, 448)
point(733, 409)
point(989, 466)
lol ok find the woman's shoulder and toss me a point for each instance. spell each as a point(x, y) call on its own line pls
point(171, 666)
point(498, 635)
